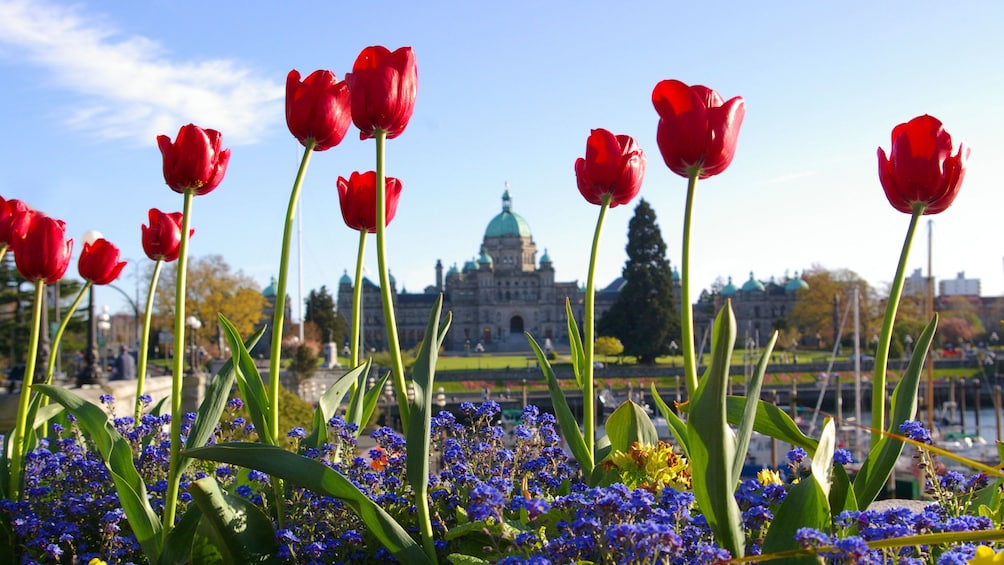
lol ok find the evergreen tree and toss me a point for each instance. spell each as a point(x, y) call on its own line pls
point(321, 311)
point(644, 316)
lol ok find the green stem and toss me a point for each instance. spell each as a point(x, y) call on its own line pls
point(885, 337)
point(18, 444)
point(589, 339)
point(280, 296)
point(144, 343)
point(686, 310)
point(51, 369)
point(174, 467)
point(393, 343)
point(357, 303)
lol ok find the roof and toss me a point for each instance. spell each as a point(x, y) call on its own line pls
point(507, 222)
point(753, 284)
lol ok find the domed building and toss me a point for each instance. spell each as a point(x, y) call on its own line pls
point(758, 306)
point(495, 296)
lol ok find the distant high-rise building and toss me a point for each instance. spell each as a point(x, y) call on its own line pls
point(959, 286)
point(915, 284)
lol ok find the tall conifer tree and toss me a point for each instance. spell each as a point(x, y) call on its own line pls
point(644, 316)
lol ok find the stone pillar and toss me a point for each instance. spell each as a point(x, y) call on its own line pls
point(192, 392)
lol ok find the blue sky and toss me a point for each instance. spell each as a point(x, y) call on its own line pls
point(508, 92)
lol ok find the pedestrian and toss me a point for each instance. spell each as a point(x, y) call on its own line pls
point(125, 366)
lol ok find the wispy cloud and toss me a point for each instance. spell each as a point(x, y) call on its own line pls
point(129, 87)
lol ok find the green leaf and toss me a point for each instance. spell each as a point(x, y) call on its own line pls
point(241, 531)
point(181, 538)
point(419, 425)
point(770, 421)
point(842, 497)
point(118, 457)
point(569, 427)
point(578, 353)
point(357, 397)
point(712, 443)
point(249, 381)
point(371, 398)
point(884, 454)
point(822, 460)
point(217, 395)
point(676, 425)
point(806, 506)
point(460, 559)
point(321, 479)
point(327, 405)
point(748, 422)
point(629, 424)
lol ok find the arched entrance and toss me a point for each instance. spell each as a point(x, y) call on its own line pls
point(516, 325)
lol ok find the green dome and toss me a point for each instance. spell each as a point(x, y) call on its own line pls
point(545, 258)
point(797, 283)
point(453, 270)
point(345, 279)
point(470, 266)
point(507, 222)
point(484, 259)
point(753, 284)
point(271, 290)
point(729, 289)
point(675, 274)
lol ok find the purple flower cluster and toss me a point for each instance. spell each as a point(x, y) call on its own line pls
point(506, 495)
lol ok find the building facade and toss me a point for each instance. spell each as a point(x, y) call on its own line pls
point(496, 297)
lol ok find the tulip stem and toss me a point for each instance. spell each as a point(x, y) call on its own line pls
point(885, 337)
point(589, 339)
point(19, 443)
point(181, 283)
point(280, 296)
point(686, 310)
point(357, 303)
point(393, 343)
point(144, 340)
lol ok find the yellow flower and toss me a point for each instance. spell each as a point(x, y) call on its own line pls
point(96, 561)
point(985, 556)
point(769, 477)
point(651, 467)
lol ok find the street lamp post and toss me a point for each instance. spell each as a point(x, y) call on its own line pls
point(91, 373)
point(193, 324)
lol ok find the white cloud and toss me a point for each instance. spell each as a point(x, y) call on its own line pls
point(129, 87)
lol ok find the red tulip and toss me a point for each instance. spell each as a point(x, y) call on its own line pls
point(99, 262)
point(920, 168)
point(614, 165)
point(318, 108)
point(358, 199)
point(44, 252)
point(15, 217)
point(194, 161)
point(697, 130)
point(382, 88)
point(162, 240)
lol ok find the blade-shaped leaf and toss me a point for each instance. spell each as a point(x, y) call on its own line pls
point(569, 427)
point(629, 424)
point(745, 428)
point(357, 396)
point(676, 424)
point(822, 460)
point(578, 353)
point(712, 443)
point(370, 400)
point(249, 381)
point(806, 506)
point(882, 456)
point(118, 457)
point(241, 531)
point(328, 403)
point(321, 479)
point(419, 424)
point(841, 492)
point(770, 421)
point(181, 538)
point(217, 395)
